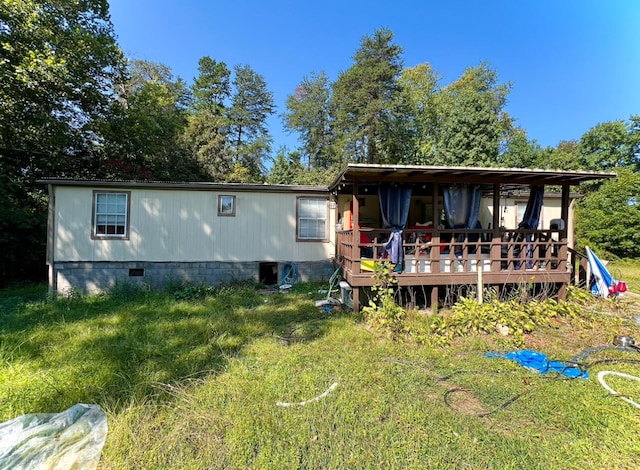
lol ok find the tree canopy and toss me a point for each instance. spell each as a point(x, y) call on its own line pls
point(71, 105)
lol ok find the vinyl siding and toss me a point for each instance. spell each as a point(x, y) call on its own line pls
point(183, 225)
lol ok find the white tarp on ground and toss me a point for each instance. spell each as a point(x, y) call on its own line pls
point(69, 440)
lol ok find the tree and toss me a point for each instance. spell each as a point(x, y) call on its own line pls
point(469, 136)
point(208, 129)
point(363, 96)
point(141, 135)
point(471, 122)
point(520, 151)
point(415, 117)
point(286, 167)
point(565, 156)
point(610, 217)
point(251, 104)
point(211, 88)
point(612, 144)
point(59, 60)
point(57, 64)
point(308, 114)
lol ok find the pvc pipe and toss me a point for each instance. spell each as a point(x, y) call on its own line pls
point(612, 391)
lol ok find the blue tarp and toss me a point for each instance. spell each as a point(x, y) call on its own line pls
point(538, 361)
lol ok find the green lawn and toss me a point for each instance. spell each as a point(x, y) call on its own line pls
point(191, 381)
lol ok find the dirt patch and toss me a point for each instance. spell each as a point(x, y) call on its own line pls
point(464, 401)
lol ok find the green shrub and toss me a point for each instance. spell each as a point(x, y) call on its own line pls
point(383, 312)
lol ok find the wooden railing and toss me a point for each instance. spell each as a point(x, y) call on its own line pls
point(458, 250)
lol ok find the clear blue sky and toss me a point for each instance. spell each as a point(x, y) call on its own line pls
point(572, 63)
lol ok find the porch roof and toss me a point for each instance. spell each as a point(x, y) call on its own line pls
point(450, 174)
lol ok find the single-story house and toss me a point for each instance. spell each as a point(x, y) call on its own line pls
point(438, 226)
point(103, 232)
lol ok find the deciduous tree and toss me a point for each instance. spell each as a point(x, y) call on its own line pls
point(57, 63)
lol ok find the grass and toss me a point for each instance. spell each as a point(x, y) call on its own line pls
point(190, 379)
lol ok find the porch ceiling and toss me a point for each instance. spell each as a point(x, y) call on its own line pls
point(441, 174)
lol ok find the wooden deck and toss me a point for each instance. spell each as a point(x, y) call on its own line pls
point(455, 257)
point(435, 258)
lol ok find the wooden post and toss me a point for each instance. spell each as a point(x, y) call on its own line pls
point(355, 221)
point(355, 292)
point(562, 255)
point(434, 299)
point(480, 283)
point(495, 251)
point(434, 255)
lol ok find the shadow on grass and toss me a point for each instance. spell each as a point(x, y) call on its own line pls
point(124, 346)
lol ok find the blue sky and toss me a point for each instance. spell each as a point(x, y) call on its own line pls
point(572, 63)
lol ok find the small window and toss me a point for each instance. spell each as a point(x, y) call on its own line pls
point(111, 215)
point(312, 219)
point(227, 206)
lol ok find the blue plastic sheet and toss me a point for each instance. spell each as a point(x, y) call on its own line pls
point(539, 362)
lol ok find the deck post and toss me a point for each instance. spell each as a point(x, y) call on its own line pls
point(563, 253)
point(562, 291)
point(434, 254)
point(496, 247)
point(355, 292)
point(355, 222)
point(434, 299)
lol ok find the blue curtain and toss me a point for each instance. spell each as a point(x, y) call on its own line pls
point(462, 205)
point(462, 208)
point(531, 216)
point(531, 219)
point(394, 207)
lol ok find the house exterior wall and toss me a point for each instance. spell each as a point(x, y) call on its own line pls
point(183, 226)
point(512, 208)
point(178, 234)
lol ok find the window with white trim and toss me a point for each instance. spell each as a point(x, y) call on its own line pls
point(111, 215)
point(312, 219)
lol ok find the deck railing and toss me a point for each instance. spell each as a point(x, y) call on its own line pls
point(457, 251)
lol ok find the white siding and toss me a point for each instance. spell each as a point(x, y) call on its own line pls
point(183, 225)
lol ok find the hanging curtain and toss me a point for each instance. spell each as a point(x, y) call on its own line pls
point(531, 216)
point(531, 219)
point(394, 207)
point(462, 208)
point(462, 205)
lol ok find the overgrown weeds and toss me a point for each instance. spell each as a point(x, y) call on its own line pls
point(383, 312)
point(193, 384)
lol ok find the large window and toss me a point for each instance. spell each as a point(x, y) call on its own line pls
point(111, 214)
point(312, 219)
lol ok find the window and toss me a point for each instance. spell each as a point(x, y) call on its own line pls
point(227, 205)
point(312, 219)
point(111, 215)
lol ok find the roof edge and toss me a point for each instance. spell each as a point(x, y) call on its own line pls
point(191, 185)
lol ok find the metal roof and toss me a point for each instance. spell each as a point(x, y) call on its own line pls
point(450, 174)
point(194, 186)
